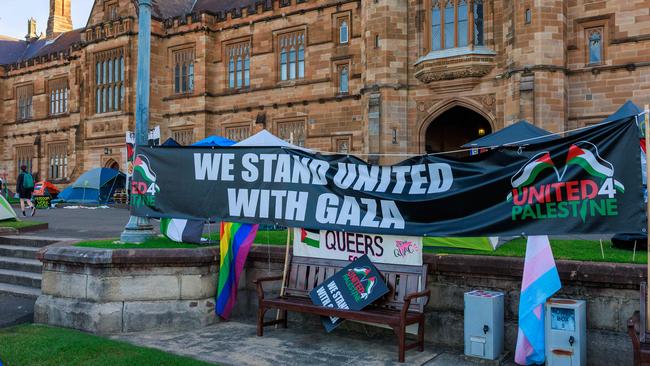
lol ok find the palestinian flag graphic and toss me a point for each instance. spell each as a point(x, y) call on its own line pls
point(310, 237)
point(367, 282)
point(141, 165)
point(182, 231)
point(585, 155)
point(529, 172)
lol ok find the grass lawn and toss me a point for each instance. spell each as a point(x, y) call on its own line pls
point(16, 224)
point(40, 345)
point(581, 250)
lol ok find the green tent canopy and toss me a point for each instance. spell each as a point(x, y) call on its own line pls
point(6, 212)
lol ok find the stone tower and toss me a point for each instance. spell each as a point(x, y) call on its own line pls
point(60, 19)
point(31, 29)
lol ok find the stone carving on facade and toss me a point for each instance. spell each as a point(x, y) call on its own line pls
point(470, 66)
point(488, 101)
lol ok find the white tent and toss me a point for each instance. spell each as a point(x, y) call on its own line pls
point(6, 212)
point(265, 138)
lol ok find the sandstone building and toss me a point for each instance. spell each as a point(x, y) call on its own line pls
point(358, 76)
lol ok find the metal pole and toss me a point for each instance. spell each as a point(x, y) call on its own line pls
point(647, 172)
point(138, 229)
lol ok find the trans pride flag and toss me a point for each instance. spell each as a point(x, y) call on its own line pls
point(236, 241)
point(539, 283)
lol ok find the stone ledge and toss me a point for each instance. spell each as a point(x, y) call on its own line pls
point(107, 257)
point(625, 275)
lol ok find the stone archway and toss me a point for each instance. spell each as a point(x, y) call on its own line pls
point(453, 124)
point(112, 164)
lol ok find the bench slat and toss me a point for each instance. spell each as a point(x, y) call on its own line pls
point(307, 273)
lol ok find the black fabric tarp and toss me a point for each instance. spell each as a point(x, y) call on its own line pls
point(520, 133)
point(586, 183)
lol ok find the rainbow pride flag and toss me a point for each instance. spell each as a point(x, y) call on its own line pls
point(541, 280)
point(236, 241)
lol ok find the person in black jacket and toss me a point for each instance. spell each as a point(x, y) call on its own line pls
point(25, 193)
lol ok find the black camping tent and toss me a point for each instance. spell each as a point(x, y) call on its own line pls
point(518, 134)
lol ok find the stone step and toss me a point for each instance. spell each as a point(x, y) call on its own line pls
point(22, 291)
point(29, 279)
point(25, 241)
point(21, 264)
point(18, 251)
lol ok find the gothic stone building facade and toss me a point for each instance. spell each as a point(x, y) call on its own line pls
point(375, 77)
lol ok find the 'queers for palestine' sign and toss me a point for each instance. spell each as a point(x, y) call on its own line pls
point(354, 287)
point(586, 183)
point(390, 249)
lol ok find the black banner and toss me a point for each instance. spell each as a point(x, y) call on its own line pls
point(354, 287)
point(586, 183)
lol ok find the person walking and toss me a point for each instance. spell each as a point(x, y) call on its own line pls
point(25, 188)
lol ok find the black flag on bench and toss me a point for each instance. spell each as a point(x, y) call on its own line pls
point(354, 287)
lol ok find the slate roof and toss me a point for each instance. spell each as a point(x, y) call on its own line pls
point(15, 50)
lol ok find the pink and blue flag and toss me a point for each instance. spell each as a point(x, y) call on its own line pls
point(541, 280)
point(235, 243)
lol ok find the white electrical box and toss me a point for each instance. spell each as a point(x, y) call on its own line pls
point(484, 324)
point(565, 328)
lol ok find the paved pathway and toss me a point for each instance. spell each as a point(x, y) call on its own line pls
point(235, 343)
point(82, 223)
point(15, 310)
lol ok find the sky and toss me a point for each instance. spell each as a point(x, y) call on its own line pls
point(15, 13)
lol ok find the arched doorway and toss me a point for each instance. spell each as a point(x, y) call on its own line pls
point(112, 164)
point(453, 128)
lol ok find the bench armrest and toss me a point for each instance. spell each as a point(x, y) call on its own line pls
point(258, 282)
point(408, 298)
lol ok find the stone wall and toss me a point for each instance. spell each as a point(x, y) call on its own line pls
point(112, 291)
point(105, 291)
point(611, 291)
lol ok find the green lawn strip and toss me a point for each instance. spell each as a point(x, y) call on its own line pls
point(19, 224)
point(153, 243)
point(39, 345)
point(581, 250)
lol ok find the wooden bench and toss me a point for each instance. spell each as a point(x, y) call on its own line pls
point(636, 328)
point(403, 305)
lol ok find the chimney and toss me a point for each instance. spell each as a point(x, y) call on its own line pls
point(31, 29)
point(60, 20)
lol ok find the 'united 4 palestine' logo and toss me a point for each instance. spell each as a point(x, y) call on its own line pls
point(592, 196)
point(143, 185)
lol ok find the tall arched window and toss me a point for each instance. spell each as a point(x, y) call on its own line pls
point(239, 65)
point(183, 70)
point(247, 67)
point(343, 32)
point(177, 78)
point(301, 62)
point(343, 80)
point(231, 70)
point(462, 26)
point(292, 63)
point(292, 55)
point(283, 64)
point(595, 46)
point(436, 29)
point(450, 23)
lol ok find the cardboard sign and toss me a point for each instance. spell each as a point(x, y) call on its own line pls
point(354, 287)
point(328, 244)
point(42, 201)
